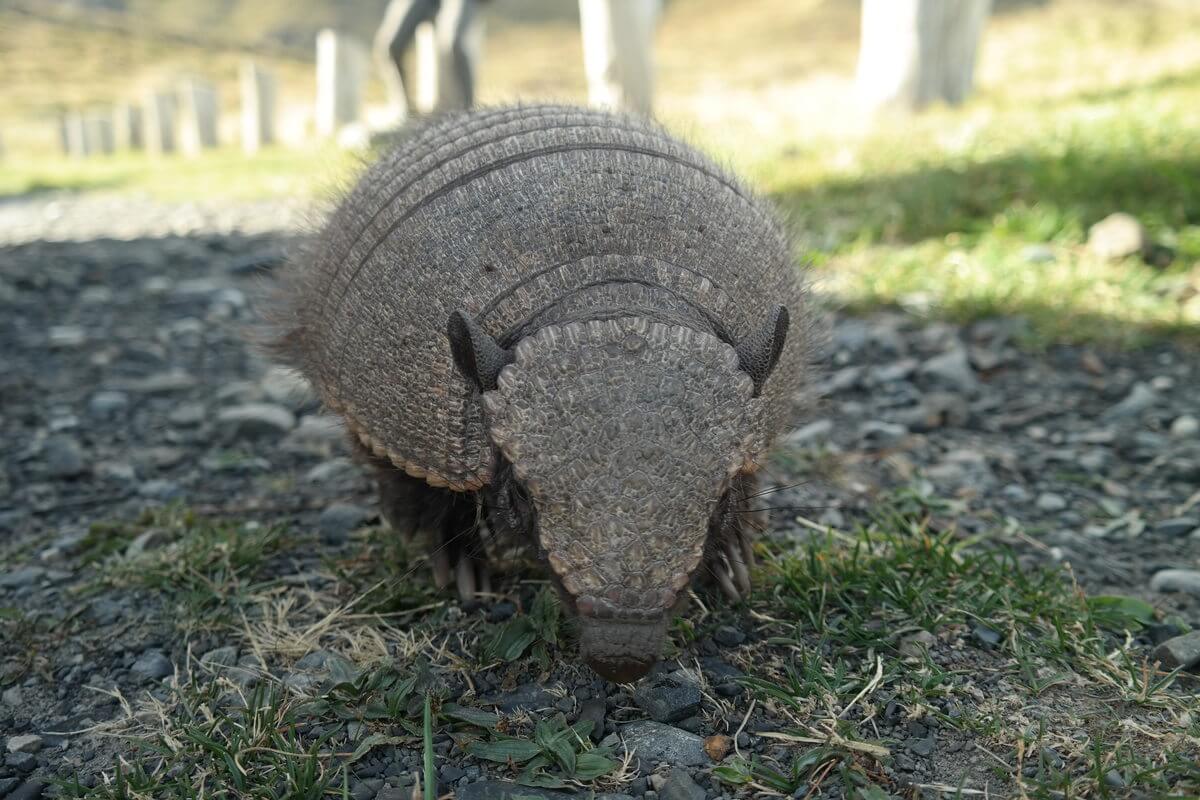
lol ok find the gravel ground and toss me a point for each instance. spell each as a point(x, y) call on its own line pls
point(127, 387)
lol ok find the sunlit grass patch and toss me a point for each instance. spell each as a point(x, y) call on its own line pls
point(897, 618)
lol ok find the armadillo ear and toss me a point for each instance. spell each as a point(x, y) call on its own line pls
point(759, 352)
point(476, 354)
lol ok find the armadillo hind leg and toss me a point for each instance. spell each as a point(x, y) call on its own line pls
point(447, 522)
point(730, 555)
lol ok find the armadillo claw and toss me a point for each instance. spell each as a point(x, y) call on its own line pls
point(724, 574)
point(737, 565)
point(473, 578)
point(441, 568)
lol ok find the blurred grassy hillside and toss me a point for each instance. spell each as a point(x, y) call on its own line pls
point(1085, 107)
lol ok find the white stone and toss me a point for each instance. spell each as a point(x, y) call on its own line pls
point(26, 743)
point(1185, 427)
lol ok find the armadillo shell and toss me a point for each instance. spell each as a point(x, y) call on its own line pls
point(517, 216)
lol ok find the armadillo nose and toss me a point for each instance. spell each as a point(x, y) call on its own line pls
point(621, 670)
point(619, 650)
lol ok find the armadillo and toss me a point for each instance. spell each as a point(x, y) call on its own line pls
point(564, 325)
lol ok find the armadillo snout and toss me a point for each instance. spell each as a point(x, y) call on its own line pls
point(619, 650)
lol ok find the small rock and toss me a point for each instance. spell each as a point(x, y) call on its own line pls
point(680, 786)
point(529, 696)
point(654, 743)
point(66, 337)
point(108, 403)
point(20, 578)
point(1037, 254)
point(841, 381)
point(65, 457)
point(1117, 236)
point(668, 703)
point(986, 636)
point(915, 645)
point(594, 711)
point(1185, 427)
point(339, 520)
point(256, 420)
point(953, 370)
point(332, 471)
point(226, 656)
point(187, 415)
point(1177, 526)
point(23, 763)
point(12, 697)
point(1179, 652)
point(152, 665)
point(503, 790)
point(876, 433)
point(1176, 580)
point(729, 636)
point(160, 489)
point(26, 743)
point(923, 747)
point(811, 435)
point(116, 471)
point(1159, 632)
point(1114, 779)
point(1140, 398)
point(1051, 502)
point(175, 380)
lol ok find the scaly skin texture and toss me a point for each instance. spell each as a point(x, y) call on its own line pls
point(657, 331)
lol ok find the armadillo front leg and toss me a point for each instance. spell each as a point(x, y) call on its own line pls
point(449, 523)
point(730, 554)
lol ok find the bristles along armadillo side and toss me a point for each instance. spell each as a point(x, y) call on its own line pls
point(511, 215)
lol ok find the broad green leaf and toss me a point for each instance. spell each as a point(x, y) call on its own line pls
point(471, 716)
point(1121, 610)
point(504, 751)
point(589, 766)
point(512, 640)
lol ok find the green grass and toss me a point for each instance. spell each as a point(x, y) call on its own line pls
point(227, 174)
point(1024, 667)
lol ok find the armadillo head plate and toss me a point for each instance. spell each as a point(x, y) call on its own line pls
point(626, 434)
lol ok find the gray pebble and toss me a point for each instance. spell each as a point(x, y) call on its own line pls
point(876, 433)
point(1050, 502)
point(66, 337)
point(226, 656)
point(1177, 526)
point(339, 520)
point(1179, 652)
point(64, 457)
point(152, 665)
point(1176, 580)
point(1140, 398)
point(953, 370)
point(1185, 427)
point(668, 703)
point(680, 786)
point(256, 420)
point(159, 489)
point(108, 403)
point(655, 742)
point(20, 578)
point(25, 743)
